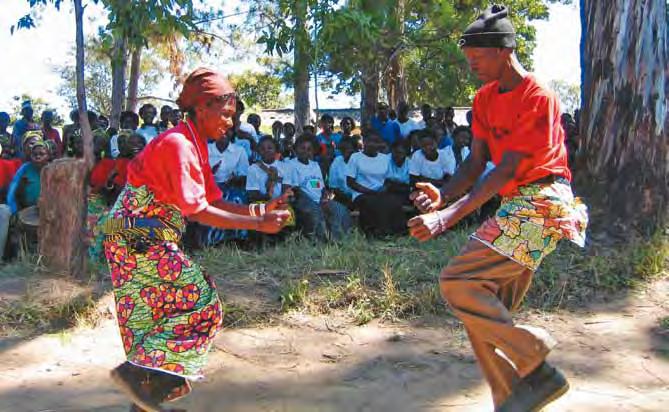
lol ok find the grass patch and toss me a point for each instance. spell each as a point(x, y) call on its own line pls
point(398, 278)
point(34, 301)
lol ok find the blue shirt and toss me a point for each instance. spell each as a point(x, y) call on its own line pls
point(446, 141)
point(333, 141)
point(389, 131)
point(19, 129)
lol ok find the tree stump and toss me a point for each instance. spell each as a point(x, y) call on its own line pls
point(63, 212)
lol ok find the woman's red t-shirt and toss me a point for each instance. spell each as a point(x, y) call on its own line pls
point(175, 167)
point(8, 168)
point(525, 120)
point(100, 174)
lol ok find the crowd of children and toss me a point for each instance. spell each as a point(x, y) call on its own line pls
point(338, 174)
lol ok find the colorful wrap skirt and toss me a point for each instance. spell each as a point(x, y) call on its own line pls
point(527, 226)
point(167, 308)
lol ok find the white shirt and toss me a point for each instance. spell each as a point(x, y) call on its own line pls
point(309, 178)
point(113, 146)
point(398, 174)
point(407, 127)
point(337, 175)
point(148, 132)
point(444, 164)
point(370, 172)
point(257, 178)
point(248, 128)
point(232, 162)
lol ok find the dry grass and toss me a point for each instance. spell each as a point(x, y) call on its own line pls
point(361, 278)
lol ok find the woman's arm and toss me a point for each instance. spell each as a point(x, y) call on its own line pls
point(271, 222)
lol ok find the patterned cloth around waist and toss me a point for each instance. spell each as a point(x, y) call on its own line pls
point(136, 215)
point(527, 226)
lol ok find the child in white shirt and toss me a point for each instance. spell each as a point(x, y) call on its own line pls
point(430, 164)
point(337, 174)
point(318, 214)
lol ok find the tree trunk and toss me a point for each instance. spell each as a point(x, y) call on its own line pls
point(369, 95)
point(133, 83)
point(64, 184)
point(301, 67)
point(624, 115)
point(119, 63)
point(395, 80)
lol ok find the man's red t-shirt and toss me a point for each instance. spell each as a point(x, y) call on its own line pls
point(526, 120)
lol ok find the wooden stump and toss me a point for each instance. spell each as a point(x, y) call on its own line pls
point(63, 212)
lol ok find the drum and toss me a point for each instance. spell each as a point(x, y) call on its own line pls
point(28, 223)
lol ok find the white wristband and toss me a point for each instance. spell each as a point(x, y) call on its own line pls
point(252, 210)
point(262, 208)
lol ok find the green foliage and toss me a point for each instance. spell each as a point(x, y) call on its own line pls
point(99, 75)
point(257, 89)
point(424, 35)
point(569, 94)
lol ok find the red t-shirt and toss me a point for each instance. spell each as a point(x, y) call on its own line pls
point(100, 174)
point(52, 134)
point(526, 120)
point(175, 167)
point(8, 168)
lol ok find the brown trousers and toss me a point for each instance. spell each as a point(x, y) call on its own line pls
point(483, 287)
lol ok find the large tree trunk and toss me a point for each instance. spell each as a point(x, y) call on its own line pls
point(64, 184)
point(395, 80)
point(133, 82)
point(301, 63)
point(369, 95)
point(119, 64)
point(624, 116)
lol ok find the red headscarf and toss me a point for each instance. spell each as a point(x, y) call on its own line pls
point(202, 85)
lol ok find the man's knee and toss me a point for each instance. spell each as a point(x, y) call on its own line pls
point(453, 288)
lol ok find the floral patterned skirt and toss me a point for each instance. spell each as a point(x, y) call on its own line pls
point(527, 226)
point(167, 307)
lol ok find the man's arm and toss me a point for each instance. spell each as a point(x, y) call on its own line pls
point(468, 172)
point(489, 187)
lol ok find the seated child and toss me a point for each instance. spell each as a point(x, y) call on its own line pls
point(337, 174)
point(24, 190)
point(380, 212)
point(430, 164)
point(318, 214)
point(268, 178)
point(398, 180)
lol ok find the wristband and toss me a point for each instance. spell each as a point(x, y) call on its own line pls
point(252, 210)
point(262, 208)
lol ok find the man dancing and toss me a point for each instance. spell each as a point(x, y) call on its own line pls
point(516, 124)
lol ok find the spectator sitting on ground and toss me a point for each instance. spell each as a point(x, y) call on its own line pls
point(449, 122)
point(309, 129)
point(268, 178)
point(164, 123)
point(245, 134)
point(175, 117)
point(287, 142)
point(380, 212)
point(5, 137)
point(337, 173)
point(398, 180)
point(277, 130)
point(414, 141)
point(406, 124)
point(426, 113)
point(21, 126)
point(230, 165)
point(129, 121)
point(388, 130)
point(462, 140)
point(50, 133)
point(24, 190)
point(254, 120)
point(318, 215)
point(148, 130)
point(431, 164)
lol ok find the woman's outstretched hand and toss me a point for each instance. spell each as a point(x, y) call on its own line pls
point(426, 197)
point(272, 222)
point(280, 203)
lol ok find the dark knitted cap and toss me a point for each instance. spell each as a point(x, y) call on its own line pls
point(492, 29)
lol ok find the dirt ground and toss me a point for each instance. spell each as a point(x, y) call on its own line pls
point(612, 352)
